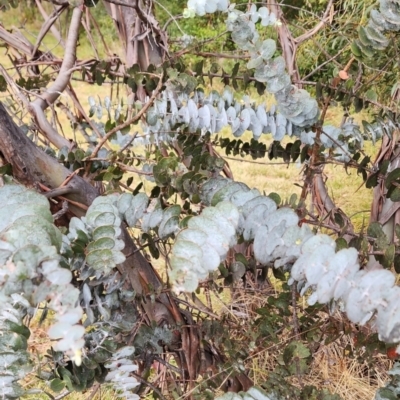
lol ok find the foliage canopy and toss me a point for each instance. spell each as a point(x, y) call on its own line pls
point(85, 213)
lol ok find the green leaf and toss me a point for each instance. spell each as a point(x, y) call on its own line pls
point(358, 104)
point(372, 181)
point(56, 385)
point(295, 350)
point(395, 194)
point(238, 270)
point(389, 256)
point(13, 327)
point(129, 181)
point(375, 230)
point(386, 394)
point(101, 243)
point(393, 175)
point(397, 264)
point(355, 48)
point(371, 95)
point(102, 260)
point(383, 167)
point(341, 244)
point(275, 197)
point(241, 258)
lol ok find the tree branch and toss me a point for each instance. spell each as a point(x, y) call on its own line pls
point(289, 46)
point(129, 121)
point(48, 25)
point(326, 17)
point(64, 76)
point(37, 107)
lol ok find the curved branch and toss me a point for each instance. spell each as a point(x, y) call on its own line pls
point(326, 17)
point(37, 107)
point(52, 135)
point(289, 46)
point(64, 76)
point(17, 42)
point(327, 210)
point(48, 25)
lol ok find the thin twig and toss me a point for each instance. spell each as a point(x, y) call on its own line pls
point(129, 121)
point(150, 385)
point(296, 331)
point(61, 212)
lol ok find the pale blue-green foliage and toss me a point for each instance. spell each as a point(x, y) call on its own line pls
point(152, 216)
point(202, 7)
point(371, 37)
point(199, 249)
point(99, 109)
point(14, 358)
point(120, 366)
point(295, 112)
point(279, 241)
point(296, 105)
point(213, 112)
point(30, 274)
point(254, 393)
point(102, 224)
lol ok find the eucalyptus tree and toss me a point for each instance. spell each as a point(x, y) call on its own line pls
point(77, 221)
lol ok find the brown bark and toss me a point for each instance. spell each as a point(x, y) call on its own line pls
point(143, 40)
point(384, 210)
point(289, 46)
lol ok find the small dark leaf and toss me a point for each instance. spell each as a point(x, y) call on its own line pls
point(275, 197)
point(235, 70)
point(393, 175)
point(56, 385)
point(3, 84)
point(319, 93)
point(6, 169)
point(372, 180)
point(132, 84)
point(395, 194)
point(279, 274)
point(295, 150)
point(339, 219)
point(384, 166)
point(198, 68)
point(223, 270)
point(389, 256)
point(397, 264)
point(341, 244)
point(99, 77)
point(361, 167)
point(304, 153)
point(375, 230)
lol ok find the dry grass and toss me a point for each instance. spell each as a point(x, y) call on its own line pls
point(331, 366)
